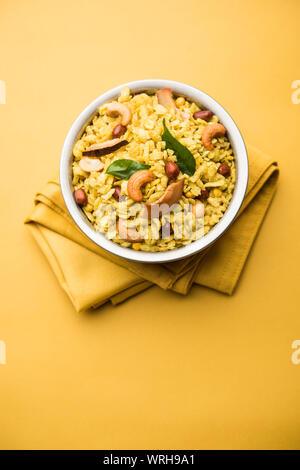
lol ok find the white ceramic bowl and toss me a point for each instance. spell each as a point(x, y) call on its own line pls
point(193, 94)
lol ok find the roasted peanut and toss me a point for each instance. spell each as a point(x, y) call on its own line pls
point(204, 194)
point(211, 131)
point(129, 234)
point(136, 181)
point(115, 109)
point(205, 115)
point(224, 169)
point(117, 193)
point(172, 170)
point(118, 131)
point(81, 197)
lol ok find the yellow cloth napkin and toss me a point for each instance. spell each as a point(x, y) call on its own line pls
point(91, 276)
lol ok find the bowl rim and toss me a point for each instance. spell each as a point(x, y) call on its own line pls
point(241, 160)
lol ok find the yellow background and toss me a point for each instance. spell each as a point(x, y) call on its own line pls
point(159, 371)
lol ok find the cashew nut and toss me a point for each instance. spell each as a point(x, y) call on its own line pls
point(198, 209)
point(104, 148)
point(90, 164)
point(211, 131)
point(129, 234)
point(165, 98)
point(172, 195)
point(136, 181)
point(116, 109)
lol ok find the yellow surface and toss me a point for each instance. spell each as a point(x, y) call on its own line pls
point(159, 371)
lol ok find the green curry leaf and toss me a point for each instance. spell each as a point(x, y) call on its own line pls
point(184, 158)
point(124, 168)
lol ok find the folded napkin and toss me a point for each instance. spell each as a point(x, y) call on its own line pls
point(91, 276)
